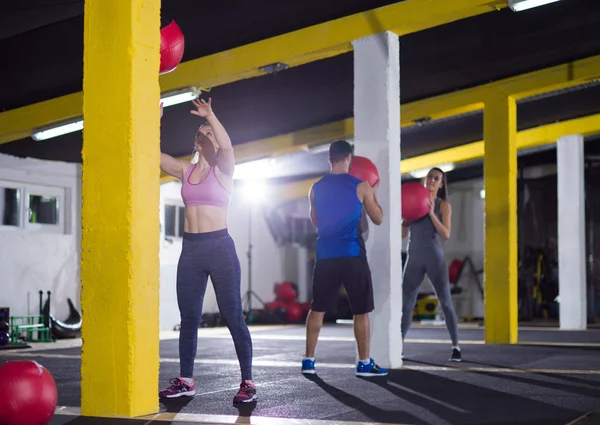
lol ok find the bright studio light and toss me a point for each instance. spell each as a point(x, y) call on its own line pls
point(169, 99)
point(419, 174)
point(520, 5)
point(254, 190)
point(260, 169)
point(57, 131)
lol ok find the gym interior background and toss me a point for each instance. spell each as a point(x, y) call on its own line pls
point(281, 121)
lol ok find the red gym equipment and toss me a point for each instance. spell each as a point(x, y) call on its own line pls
point(363, 168)
point(286, 306)
point(172, 44)
point(415, 201)
point(28, 393)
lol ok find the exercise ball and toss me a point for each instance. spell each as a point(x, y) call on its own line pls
point(294, 312)
point(415, 201)
point(28, 394)
point(172, 44)
point(363, 168)
point(286, 292)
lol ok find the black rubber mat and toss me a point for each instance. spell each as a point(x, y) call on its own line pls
point(495, 384)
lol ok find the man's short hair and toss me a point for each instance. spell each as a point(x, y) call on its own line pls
point(339, 151)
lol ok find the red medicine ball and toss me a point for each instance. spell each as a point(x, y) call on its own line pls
point(172, 44)
point(28, 394)
point(415, 201)
point(363, 168)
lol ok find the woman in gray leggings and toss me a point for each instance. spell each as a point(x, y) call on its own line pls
point(426, 256)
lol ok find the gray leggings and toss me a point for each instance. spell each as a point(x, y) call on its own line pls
point(428, 261)
point(210, 254)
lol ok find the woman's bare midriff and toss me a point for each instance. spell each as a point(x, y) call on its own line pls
point(204, 218)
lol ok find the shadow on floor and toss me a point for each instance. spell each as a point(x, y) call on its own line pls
point(444, 400)
point(577, 385)
point(356, 402)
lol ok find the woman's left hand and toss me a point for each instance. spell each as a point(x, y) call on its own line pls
point(203, 108)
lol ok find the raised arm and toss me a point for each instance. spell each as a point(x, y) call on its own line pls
point(226, 157)
point(172, 166)
point(369, 198)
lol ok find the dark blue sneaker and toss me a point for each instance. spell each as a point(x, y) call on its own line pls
point(370, 369)
point(308, 366)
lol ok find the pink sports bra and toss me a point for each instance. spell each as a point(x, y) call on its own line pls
point(209, 191)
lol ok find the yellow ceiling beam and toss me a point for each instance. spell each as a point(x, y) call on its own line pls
point(520, 86)
point(537, 82)
point(538, 136)
point(526, 139)
point(295, 48)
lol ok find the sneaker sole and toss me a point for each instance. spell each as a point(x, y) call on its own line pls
point(309, 372)
point(184, 394)
point(455, 360)
point(367, 374)
point(237, 401)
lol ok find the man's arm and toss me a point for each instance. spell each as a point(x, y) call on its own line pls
point(311, 208)
point(370, 203)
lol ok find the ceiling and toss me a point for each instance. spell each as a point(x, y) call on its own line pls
point(44, 41)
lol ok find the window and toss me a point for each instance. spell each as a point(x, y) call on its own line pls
point(10, 200)
point(32, 208)
point(174, 221)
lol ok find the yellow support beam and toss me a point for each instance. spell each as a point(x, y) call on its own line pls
point(526, 139)
point(500, 245)
point(533, 137)
point(295, 48)
point(120, 223)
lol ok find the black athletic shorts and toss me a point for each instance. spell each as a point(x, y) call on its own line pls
point(352, 272)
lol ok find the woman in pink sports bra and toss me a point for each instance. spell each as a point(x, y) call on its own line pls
point(208, 250)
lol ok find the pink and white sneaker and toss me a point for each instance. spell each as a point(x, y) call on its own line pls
point(246, 394)
point(178, 388)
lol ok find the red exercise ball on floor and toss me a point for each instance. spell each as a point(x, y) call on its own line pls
point(415, 201)
point(172, 44)
point(363, 168)
point(294, 312)
point(285, 292)
point(28, 394)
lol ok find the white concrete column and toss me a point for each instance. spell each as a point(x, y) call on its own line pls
point(377, 137)
point(571, 233)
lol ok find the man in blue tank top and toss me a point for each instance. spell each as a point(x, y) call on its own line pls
point(336, 207)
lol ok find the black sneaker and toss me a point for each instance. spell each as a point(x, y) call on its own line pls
point(455, 356)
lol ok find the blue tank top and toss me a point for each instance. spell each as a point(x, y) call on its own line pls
point(423, 233)
point(338, 212)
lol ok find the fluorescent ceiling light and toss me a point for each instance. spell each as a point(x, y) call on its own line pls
point(520, 5)
point(179, 97)
point(419, 174)
point(57, 131)
point(169, 99)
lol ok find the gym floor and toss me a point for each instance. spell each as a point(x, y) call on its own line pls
point(550, 377)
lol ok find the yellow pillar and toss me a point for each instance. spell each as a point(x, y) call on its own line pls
point(500, 177)
point(120, 221)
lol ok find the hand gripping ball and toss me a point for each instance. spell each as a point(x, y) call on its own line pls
point(415, 201)
point(363, 168)
point(172, 44)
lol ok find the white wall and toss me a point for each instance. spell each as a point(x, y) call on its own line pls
point(268, 260)
point(467, 240)
point(33, 259)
